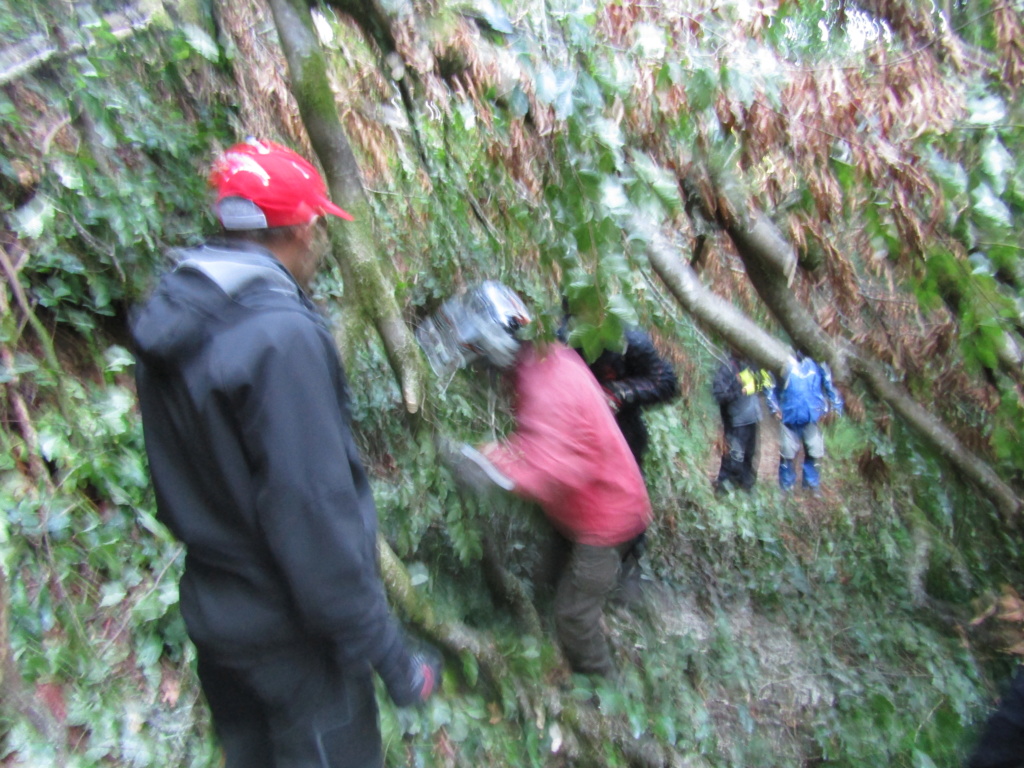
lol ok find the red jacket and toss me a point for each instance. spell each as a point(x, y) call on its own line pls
point(568, 454)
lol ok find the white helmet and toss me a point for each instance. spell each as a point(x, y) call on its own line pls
point(481, 323)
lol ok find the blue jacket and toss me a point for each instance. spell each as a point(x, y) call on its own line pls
point(806, 393)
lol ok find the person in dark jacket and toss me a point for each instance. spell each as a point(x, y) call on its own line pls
point(246, 422)
point(735, 388)
point(1001, 744)
point(806, 394)
point(634, 379)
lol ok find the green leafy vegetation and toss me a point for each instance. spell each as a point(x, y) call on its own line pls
point(781, 631)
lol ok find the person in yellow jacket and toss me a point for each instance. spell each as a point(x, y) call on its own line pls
point(735, 387)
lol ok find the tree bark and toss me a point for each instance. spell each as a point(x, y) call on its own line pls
point(707, 307)
point(364, 269)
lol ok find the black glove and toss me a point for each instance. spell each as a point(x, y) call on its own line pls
point(415, 681)
point(470, 467)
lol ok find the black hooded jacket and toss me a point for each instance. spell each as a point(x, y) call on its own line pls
point(638, 377)
point(247, 430)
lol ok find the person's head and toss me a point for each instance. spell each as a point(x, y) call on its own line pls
point(268, 194)
point(496, 315)
point(482, 324)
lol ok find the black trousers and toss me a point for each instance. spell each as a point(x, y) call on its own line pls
point(738, 462)
point(293, 707)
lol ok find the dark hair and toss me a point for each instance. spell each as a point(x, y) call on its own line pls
point(266, 237)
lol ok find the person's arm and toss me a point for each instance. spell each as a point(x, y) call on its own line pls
point(771, 396)
point(313, 500)
point(649, 377)
point(725, 387)
point(835, 398)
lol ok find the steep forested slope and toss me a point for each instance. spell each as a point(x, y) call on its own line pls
point(844, 176)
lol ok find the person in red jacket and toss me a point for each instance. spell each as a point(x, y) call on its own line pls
point(567, 454)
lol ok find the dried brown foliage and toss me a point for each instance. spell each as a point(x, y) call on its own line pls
point(1009, 32)
point(1009, 609)
point(265, 99)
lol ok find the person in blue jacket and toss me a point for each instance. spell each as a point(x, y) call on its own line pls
point(805, 395)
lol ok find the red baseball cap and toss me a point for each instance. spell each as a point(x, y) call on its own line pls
point(261, 184)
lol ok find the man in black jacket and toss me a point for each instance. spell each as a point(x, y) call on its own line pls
point(246, 420)
point(1001, 744)
point(634, 379)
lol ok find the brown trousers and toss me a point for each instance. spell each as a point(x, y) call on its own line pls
point(584, 587)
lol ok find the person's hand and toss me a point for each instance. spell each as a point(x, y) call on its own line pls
point(470, 468)
point(618, 394)
point(611, 399)
point(421, 680)
point(427, 670)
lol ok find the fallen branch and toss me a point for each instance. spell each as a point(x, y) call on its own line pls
point(364, 269)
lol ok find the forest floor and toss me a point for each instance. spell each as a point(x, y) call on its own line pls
point(789, 684)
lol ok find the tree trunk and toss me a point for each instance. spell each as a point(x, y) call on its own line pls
point(707, 307)
point(367, 282)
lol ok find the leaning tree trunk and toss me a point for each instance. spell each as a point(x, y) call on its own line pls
point(363, 268)
point(706, 307)
point(758, 243)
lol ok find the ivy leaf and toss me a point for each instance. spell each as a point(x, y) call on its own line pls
point(660, 180)
point(951, 175)
point(555, 89)
point(518, 103)
point(987, 110)
point(609, 133)
point(418, 574)
point(613, 196)
point(33, 218)
point(112, 593)
point(588, 92)
point(118, 358)
point(700, 91)
point(588, 338)
point(986, 205)
point(740, 82)
point(997, 164)
point(470, 668)
point(201, 43)
point(623, 310)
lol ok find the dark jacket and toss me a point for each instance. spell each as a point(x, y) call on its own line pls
point(1001, 744)
point(735, 389)
point(246, 422)
point(636, 377)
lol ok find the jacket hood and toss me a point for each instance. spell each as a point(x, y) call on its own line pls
point(207, 281)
